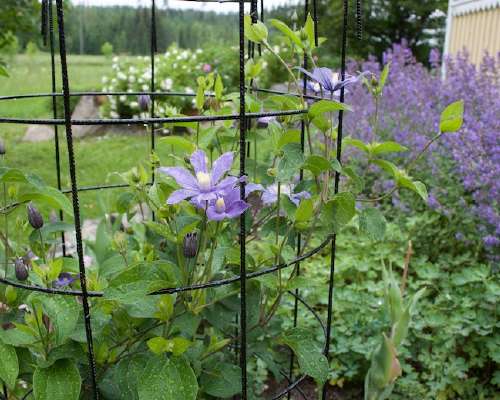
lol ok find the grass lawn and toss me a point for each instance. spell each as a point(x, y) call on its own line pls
point(96, 157)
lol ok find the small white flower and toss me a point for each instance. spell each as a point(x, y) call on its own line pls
point(167, 84)
point(121, 76)
point(123, 98)
point(104, 80)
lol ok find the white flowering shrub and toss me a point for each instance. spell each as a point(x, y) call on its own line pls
point(176, 70)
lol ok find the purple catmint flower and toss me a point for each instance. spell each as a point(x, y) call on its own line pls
point(64, 279)
point(491, 241)
point(205, 185)
point(144, 101)
point(226, 206)
point(270, 194)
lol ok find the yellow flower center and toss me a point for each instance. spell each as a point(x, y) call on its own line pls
point(220, 206)
point(203, 180)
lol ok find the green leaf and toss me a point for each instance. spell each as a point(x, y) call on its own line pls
point(324, 106)
point(222, 381)
point(416, 186)
point(63, 312)
point(49, 196)
point(9, 365)
point(309, 29)
point(452, 117)
point(339, 211)
point(388, 167)
point(309, 355)
point(387, 147)
point(285, 30)
point(20, 336)
point(255, 32)
point(218, 87)
point(304, 211)
point(289, 136)
point(383, 77)
point(356, 143)
point(177, 346)
point(291, 162)
point(372, 222)
point(61, 381)
point(317, 164)
point(167, 379)
point(179, 143)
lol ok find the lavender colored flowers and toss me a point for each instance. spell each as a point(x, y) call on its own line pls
point(64, 279)
point(270, 194)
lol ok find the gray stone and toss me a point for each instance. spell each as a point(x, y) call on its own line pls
point(87, 108)
point(38, 133)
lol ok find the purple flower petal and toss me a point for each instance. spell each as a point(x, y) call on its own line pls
point(221, 166)
point(236, 208)
point(213, 215)
point(182, 176)
point(180, 195)
point(253, 187)
point(226, 184)
point(199, 161)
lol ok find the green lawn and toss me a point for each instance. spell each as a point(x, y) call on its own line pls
point(97, 157)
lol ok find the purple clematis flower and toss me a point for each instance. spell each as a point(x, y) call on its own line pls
point(64, 279)
point(324, 79)
point(263, 122)
point(205, 185)
point(270, 194)
point(226, 206)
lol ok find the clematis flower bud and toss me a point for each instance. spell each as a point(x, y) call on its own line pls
point(190, 247)
point(34, 217)
point(144, 101)
point(21, 269)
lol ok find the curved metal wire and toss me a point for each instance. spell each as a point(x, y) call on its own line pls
point(146, 121)
point(172, 290)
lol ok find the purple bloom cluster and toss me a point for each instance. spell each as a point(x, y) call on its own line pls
point(207, 189)
point(409, 114)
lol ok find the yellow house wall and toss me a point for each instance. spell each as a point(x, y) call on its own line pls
point(477, 32)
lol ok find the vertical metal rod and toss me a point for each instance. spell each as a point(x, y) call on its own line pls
point(242, 235)
point(301, 177)
point(333, 251)
point(74, 193)
point(315, 20)
point(359, 19)
point(54, 112)
point(154, 49)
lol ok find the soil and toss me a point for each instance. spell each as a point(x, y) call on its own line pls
point(308, 391)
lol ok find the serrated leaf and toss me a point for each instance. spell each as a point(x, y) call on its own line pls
point(452, 117)
point(222, 381)
point(167, 379)
point(317, 164)
point(61, 381)
point(311, 360)
point(291, 162)
point(305, 211)
point(63, 312)
point(339, 211)
point(373, 223)
point(9, 365)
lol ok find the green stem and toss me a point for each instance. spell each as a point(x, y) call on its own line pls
point(42, 244)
